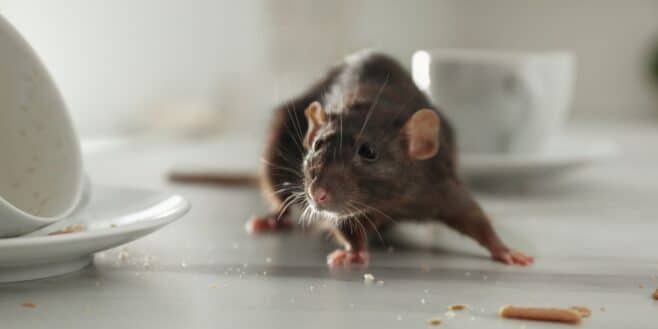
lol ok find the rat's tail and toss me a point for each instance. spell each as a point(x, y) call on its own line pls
point(215, 178)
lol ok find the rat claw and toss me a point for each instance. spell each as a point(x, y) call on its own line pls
point(513, 257)
point(341, 257)
point(520, 258)
point(266, 224)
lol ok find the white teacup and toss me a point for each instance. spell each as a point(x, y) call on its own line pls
point(499, 102)
point(41, 173)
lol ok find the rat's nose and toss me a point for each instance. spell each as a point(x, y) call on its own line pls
point(320, 195)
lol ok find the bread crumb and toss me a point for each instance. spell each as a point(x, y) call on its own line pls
point(29, 305)
point(123, 254)
point(582, 310)
point(434, 321)
point(655, 294)
point(368, 278)
point(458, 307)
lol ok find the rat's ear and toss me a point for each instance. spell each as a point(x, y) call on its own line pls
point(316, 117)
point(422, 133)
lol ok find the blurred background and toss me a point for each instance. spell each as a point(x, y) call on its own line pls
point(201, 67)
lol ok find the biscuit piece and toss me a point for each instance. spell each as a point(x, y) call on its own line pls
point(540, 314)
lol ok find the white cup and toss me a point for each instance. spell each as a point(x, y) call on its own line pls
point(499, 102)
point(41, 172)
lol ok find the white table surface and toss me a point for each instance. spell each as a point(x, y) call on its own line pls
point(593, 233)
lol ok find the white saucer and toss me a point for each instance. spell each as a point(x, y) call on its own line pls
point(558, 157)
point(113, 217)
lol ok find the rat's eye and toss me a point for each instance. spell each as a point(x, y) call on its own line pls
point(318, 144)
point(367, 152)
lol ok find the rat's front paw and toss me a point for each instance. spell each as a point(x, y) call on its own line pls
point(510, 257)
point(342, 257)
point(267, 224)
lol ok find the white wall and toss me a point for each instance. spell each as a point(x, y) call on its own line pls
point(113, 59)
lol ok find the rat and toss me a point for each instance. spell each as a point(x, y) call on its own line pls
point(360, 151)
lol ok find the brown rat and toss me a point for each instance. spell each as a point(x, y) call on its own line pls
point(364, 149)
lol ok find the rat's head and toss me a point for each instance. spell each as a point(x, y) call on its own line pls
point(356, 163)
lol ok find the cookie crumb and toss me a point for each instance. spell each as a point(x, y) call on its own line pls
point(458, 307)
point(29, 305)
point(434, 321)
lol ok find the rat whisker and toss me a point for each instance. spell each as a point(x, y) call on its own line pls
point(296, 127)
point(340, 132)
point(285, 157)
point(304, 217)
point(291, 199)
point(286, 169)
point(397, 114)
point(283, 190)
point(376, 209)
point(372, 107)
point(363, 229)
point(287, 186)
point(365, 216)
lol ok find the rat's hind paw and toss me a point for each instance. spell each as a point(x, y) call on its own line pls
point(341, 257)
point(513, 257)
point(267, 224)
